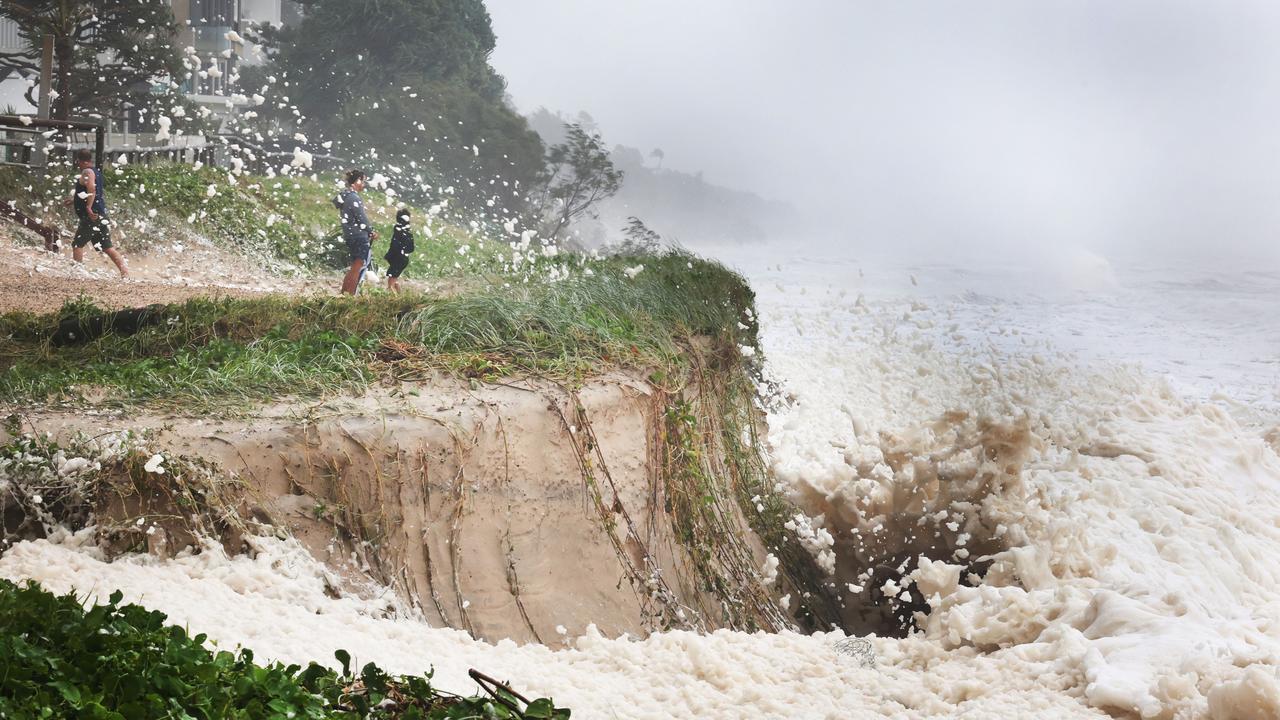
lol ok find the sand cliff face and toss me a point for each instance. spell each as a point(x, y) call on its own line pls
point(524, 510)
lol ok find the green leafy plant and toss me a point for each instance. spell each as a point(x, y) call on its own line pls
point(59, 659)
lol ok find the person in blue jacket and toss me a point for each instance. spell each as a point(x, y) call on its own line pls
point(397, 256)
point(357, 232)
point(90, 202)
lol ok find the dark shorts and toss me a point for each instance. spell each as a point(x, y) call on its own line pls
point(395, 266)
point(93, 232)
point(358, 249)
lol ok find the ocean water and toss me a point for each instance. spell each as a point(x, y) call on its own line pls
point(1210, 330)
point(1105, 436)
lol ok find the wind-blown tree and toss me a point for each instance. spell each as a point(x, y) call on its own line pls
point(105, 52)
point(641, 239)
point(580, 175)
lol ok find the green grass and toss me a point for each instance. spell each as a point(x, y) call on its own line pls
point(679, 321)
point(119, 662)
point(228, 351)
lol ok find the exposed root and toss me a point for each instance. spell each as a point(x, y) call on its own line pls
point(455, 544)
point(431, 578)
point(513, 582)
point(135, 500)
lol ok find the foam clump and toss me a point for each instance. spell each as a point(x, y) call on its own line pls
point(1019, 503)
point(1254, 694)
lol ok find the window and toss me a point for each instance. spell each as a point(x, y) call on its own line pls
point(221, 13)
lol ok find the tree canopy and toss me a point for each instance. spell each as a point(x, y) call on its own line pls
point(409, 80)
point(348, 46)
point(106, 52)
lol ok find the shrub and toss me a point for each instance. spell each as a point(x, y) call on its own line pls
point(120, 662)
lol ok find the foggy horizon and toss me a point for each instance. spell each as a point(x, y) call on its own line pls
point(1145, 127)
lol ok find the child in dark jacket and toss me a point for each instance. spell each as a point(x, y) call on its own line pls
point(397, 256)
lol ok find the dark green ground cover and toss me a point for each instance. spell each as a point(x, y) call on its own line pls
point(59, 659)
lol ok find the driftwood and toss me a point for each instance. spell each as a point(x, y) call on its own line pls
point(52, 235)
point(495, 690)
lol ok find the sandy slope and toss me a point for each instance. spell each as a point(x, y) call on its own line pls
point(470, 502)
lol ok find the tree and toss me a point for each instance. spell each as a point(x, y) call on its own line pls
point(587, 123)
point(641, 239)
point(549, 126)
point(454, 137)
point(580, 175)
point(409, 81)
point(345, 48)
point(657, 153)
point(105, 52)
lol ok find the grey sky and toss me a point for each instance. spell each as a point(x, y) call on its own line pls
point(1101, 123)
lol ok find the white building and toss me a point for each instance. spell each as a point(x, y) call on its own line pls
point(207, 23)
point(13, 84)
point(205, 26)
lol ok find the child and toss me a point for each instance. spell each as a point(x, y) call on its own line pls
point(397, 256)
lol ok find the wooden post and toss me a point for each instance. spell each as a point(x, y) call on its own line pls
point(41, 150)
point(100, 144)
point(46, 77)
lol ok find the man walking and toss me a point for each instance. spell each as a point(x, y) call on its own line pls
point(356, 231)
point(91, 207)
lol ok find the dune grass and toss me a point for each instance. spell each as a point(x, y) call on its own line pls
point(512, 310)
point(222, 352)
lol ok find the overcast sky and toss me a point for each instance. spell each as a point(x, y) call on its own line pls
point(1101, 123)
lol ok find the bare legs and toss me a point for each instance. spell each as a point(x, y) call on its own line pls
point(393, 284)
point(351, 280)
point(118, 259)
point(77, 254)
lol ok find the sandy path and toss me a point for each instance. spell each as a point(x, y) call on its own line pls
point(38, 281)
point(42, 293)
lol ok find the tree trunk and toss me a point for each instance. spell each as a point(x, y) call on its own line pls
point(64, 52)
